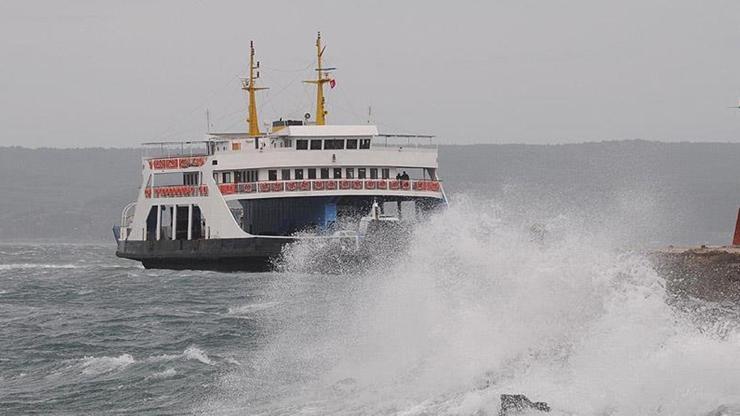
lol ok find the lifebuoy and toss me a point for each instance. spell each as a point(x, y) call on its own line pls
point(382, 184)
point(264, 187)
point(277, 186)
point(370, 184)
point(305, 186)
point(405, 185)
point(331, 185)
point(394, 185)
point(357, 184)
point(318, 185)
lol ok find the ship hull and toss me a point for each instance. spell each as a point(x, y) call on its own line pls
point(233, 254)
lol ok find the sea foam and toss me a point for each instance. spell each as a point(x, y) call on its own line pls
point(478, 307)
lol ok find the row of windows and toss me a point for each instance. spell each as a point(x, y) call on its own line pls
point(329, 173)
point(332, 144)
point(240, 176)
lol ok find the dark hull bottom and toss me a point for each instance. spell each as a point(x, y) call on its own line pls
point(237, 254)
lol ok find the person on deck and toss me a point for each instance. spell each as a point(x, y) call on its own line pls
point(404, 176)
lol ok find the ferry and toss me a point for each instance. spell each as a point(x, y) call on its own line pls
point(234, 200)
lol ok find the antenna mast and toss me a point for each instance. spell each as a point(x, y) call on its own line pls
point(249, 85)
point(322, 77)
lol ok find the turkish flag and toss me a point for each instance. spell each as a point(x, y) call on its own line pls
point(332, 83)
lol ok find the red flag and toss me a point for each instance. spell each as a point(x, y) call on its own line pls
point(332, 83)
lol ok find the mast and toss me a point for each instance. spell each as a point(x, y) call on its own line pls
point(322, 77)
point(249, 85)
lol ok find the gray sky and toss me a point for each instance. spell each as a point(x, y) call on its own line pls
point(116, 73)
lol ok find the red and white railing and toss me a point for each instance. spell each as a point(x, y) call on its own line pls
point(312, 185)
point(178, 191)
point(176, 163)
point(329, 185)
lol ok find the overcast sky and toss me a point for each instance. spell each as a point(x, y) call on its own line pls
point(117, 73)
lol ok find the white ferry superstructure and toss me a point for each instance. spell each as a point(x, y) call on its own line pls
point(234, 200)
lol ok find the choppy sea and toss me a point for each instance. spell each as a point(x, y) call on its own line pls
point(474, 308)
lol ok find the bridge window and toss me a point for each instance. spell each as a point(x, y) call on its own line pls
point(350, 173)
point(324, 173)
point(298, 174)
point(373, 173)
point(360, 173)
point(301, 144)
point(312, 173)
point(272, 175)
point(351, 144)
point(364, 143)
point(315, 144)
point(333, 144)
point(285, 174)
point(226, 178)
point(337, 173)
point(386, 173)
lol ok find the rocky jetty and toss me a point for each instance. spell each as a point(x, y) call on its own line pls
point(709, 273)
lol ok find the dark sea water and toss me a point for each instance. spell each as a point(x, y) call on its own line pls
point(474, 308)
point(85, 332)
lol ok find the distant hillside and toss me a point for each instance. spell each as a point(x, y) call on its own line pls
point(681, 193)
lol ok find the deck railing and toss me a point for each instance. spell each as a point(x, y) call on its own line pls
point(176, 191)
point(415, 185)
point(329, 185)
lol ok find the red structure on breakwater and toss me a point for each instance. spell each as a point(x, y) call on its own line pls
point(736, 239)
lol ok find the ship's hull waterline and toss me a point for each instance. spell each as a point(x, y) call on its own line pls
point(228, 254)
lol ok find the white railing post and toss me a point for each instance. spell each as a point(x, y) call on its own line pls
point(159, 221)
point(190, 222)
point(174, 222)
